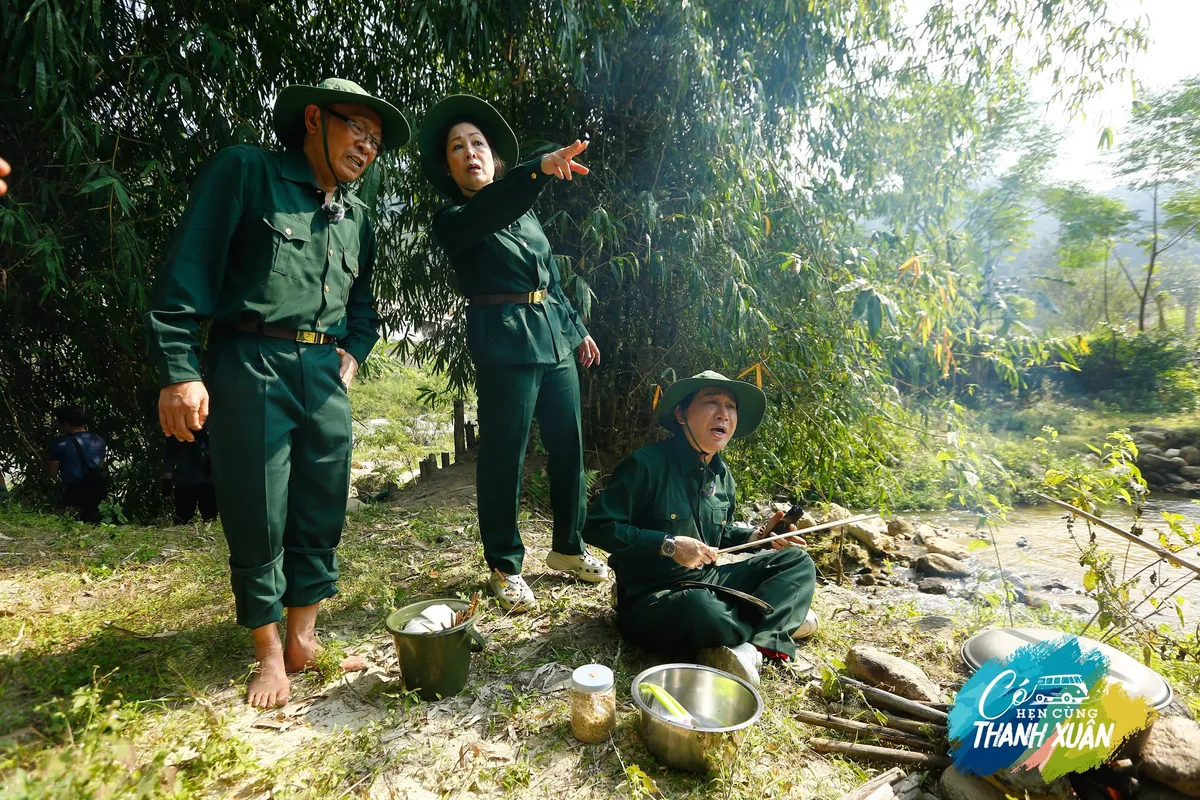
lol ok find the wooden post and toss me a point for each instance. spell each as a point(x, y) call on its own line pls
point(424, 465)
point(445, 460)
point(432, 459)
point(470, 431)
point(460, 429)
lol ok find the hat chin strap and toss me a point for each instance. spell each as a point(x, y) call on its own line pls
point(694, 442)
point(333, 209)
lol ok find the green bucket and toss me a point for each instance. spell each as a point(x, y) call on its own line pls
point(434, 665)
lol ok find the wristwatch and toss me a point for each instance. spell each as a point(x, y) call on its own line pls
point(668, 547)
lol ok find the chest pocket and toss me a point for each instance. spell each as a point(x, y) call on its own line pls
point(675, 521)
point(290, 234)
point(350, 269)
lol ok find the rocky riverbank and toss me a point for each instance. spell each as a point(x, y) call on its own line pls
point(1169, 459)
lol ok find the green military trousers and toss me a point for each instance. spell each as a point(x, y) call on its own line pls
point(509, 397)
point(279, 436)
point(681, 622)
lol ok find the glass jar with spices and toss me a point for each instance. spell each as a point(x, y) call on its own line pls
point(593, 701)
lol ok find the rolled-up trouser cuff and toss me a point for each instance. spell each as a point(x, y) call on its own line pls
point(257, 592)
point(311, 575)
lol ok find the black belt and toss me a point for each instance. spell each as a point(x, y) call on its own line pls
point(498, 299)
point(303, 337)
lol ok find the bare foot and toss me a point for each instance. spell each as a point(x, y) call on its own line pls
point(300, 649)
point(269, 686)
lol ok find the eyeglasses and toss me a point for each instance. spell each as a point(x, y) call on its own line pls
point(356, 128)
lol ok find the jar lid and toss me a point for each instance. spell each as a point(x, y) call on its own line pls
point(592, 678)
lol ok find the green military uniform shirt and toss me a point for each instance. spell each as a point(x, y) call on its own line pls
point(255, 244)
point(659, 490)
point(496, 246)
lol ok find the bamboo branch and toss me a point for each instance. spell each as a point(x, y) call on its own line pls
point(909, 726)
point(885, 754)
point(823, 526)
point(881, 780)
point(863, 729)
point(895, 701)
point(1161, 552)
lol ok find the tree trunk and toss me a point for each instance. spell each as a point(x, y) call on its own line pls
point(1107, 320)
point(1189, 319)
point(460, 428)
point(1144, 296)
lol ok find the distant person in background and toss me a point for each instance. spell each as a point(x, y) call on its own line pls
point(77, 455)
point(187, 478)
point(4, 171)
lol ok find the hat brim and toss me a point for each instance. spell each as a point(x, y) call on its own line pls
point(450, 111)
point(288, 117)
point(752, 403)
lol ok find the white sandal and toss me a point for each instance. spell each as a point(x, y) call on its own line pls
point(585, 566)
point(511, 592)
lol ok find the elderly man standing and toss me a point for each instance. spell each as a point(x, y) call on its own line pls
point(279, 255)
point(668, 509)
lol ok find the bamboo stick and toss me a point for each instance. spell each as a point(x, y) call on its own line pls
point(895, 701)
point(863, 729)
point(911, 726)
point(885, 754)
point(869, 788)
point(1161, 552)
point(823, 526)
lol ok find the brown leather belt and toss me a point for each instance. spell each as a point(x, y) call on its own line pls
point(303, 337)
point(498, 299)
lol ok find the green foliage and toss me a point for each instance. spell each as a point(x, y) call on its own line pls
point(735, 148)
point(1149, 371)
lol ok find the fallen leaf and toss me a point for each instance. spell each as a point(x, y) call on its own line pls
point(491, 751)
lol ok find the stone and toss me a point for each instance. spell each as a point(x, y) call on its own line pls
point(1169, 752)
point(1190, 454)
point(1055, 585)
point(935, 586)
point(1172, 453)
point(901, 528)
point(1153, 463)
point(1154, 478)
point(947, 547)
point(1155, 436)
point(1022, 783)
point(1031, 598)
point(908, 783)
point(1155, 450)
point(872, 665)
point(1172, 478)
point(1154, 791)
point(836, 512)
point(866, 579)
point(933, 623)
point(956, 786)
point(1191, 473)
point(923, 533)
point(807, 520)
point(939, 566)
point(354, 505)
point(873, 536)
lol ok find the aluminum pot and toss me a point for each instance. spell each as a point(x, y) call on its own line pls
point(723, 704)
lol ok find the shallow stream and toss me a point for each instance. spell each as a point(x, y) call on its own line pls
point(1048, 554)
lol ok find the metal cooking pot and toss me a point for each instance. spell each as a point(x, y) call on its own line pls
point(723, 705)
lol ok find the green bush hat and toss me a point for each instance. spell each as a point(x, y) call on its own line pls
point(751, 402)
point(288, 119)
point(431, 137)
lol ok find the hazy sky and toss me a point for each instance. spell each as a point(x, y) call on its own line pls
point(1172, 56)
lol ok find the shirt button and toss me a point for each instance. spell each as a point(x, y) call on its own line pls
point(327, 287)
point(330, 252)
point(288, 231)
point(672, 516)
point(533, 175)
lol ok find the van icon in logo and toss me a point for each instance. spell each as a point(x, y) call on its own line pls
point(1060, 690)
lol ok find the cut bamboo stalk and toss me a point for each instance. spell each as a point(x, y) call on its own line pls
point(895, 701)
point(802, 533)
point(863, 729)
point(881, 780)
point(1161, 552)
point(884, 754)
point(912, 726)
